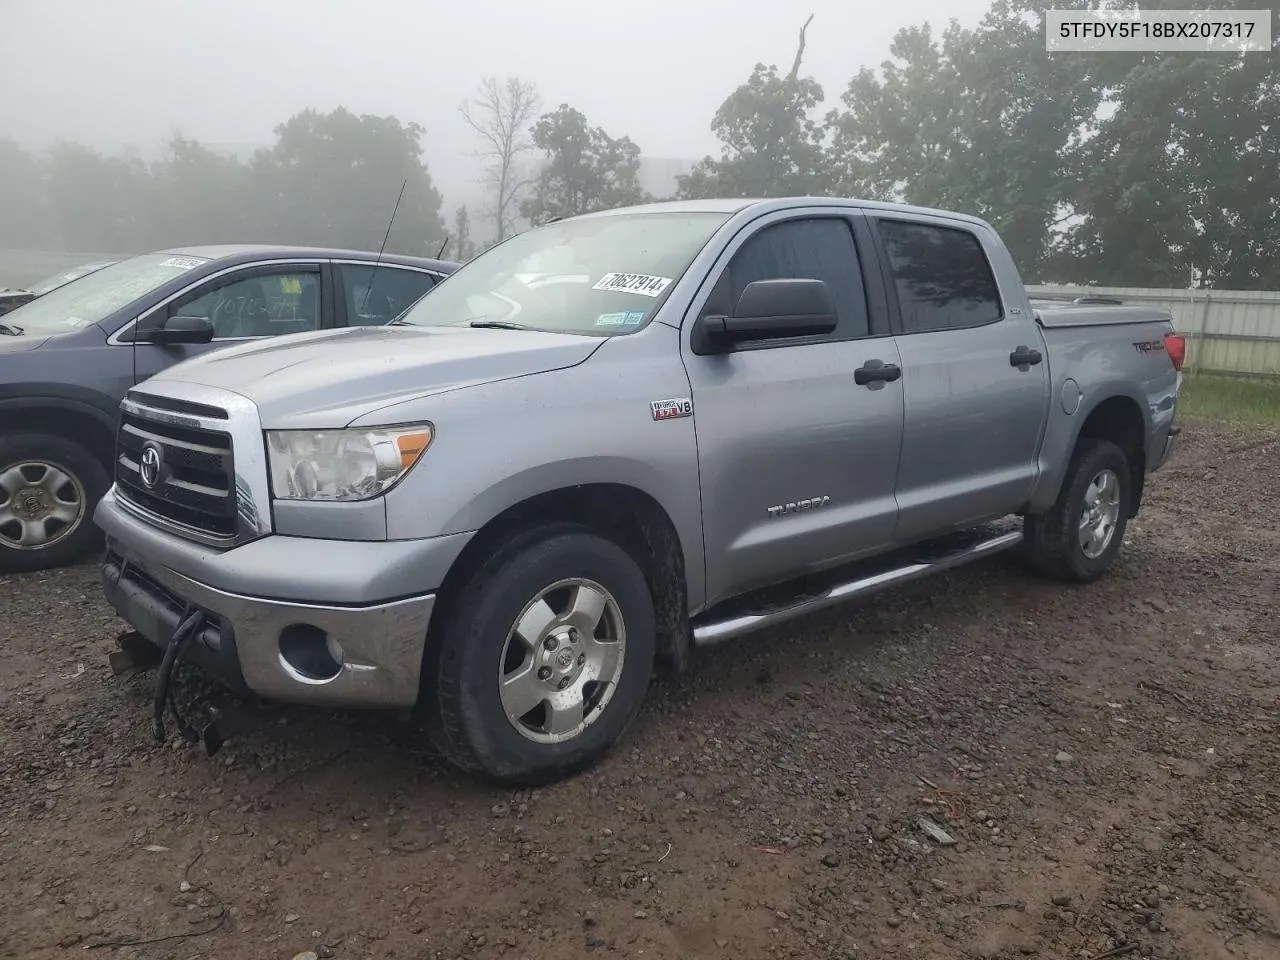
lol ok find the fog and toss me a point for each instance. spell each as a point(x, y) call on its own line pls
point(128, 74)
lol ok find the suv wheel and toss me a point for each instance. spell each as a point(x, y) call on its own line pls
point(543, 658)
point(1080, 536)
point(49, 486)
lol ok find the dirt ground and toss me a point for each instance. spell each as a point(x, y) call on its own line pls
point(1105, 758)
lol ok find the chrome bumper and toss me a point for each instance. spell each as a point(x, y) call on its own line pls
point(277, 648)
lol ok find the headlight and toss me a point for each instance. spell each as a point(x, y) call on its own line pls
point(342, 464)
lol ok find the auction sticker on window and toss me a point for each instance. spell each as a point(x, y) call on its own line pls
point(641, 283)
point(623, 318)
point(184, 263)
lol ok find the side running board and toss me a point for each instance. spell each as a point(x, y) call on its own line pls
point(715, 631)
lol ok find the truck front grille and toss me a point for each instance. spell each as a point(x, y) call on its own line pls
point(182, 474)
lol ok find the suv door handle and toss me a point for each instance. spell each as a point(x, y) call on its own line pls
point(876, 371)
point(1025, 358)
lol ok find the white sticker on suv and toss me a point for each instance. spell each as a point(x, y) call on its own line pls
point(640, 283)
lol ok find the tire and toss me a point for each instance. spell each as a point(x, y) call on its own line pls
point(466, 704)
point(42, 473)
point(1055, 541)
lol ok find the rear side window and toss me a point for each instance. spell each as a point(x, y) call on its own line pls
point(815, 249)
point(941, 275)
point(376, 296)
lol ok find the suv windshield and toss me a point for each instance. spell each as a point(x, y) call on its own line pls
point(596, 275)
point(95, 297)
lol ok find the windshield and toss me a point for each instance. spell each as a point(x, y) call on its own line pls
point(60, 279)
point(95, 297)
point(598, 275)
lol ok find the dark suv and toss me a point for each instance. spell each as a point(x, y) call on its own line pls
point(67, 358)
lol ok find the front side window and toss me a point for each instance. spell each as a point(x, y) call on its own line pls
point(601, 275)
point(821, 248)
point(377, 295)
point(941, 276)
point(261, 305)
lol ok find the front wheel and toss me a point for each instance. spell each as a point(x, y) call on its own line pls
point(49, 486)
point(542, 659)
point(1078, 539)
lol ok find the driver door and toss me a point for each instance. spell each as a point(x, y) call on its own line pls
point(797, 458)
point(248, 304)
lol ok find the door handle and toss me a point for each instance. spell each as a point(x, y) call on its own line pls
point(1024, 358)
point(876, 371)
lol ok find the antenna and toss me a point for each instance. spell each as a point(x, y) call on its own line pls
point(377, 263)
point(442, 246)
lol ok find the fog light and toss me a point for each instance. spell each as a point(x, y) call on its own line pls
point(309, 654)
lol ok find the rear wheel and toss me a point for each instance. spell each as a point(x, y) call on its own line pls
point(1078, 539)
point(542, 659)
point(49, 486)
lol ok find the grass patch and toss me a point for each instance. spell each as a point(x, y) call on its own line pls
point(1231, 398)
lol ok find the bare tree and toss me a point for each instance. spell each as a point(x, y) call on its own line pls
point(501, 114)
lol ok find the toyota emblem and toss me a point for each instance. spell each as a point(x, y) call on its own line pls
point(149, 466)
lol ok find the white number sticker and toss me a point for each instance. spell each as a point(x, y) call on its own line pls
point(640, 283)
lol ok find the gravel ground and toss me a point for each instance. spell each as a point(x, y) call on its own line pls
point(1103, 757)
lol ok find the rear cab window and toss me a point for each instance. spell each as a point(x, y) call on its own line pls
point(941, 276)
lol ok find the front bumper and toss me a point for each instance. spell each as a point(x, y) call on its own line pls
point(246, 642)
point(351, 651)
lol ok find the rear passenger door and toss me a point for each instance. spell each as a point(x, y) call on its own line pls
point(973, 420)
point(797, 460)
point(375, 294)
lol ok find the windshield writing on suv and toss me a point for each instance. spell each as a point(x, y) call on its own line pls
point(598, 275)
point(95, 297)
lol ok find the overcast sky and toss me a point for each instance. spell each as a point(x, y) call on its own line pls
point(118, 72)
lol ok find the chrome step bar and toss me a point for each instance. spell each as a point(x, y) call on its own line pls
point(720, 630)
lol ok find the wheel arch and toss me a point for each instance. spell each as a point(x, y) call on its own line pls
point(68, 417)
point(621, 512)
point(1118, 415)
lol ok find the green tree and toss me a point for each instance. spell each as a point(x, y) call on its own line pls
point(200, 197)
point(333, 178)
point(585, 168)
point(98, 203)
point(1181, 177)
point(978, 121)
point(461, 247)
point(771, 144)
point(23, 218)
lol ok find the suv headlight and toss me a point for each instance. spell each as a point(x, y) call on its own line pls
point(343, 464)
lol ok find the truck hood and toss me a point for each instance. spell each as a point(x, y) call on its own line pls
point(327, 379)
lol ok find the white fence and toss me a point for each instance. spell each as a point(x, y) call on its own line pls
point(1234, 332)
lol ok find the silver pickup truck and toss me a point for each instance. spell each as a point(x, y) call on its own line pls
point(615, 437)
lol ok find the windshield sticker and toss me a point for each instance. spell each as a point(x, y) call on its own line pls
point(184, 263)
point(640, 283)
point(612, 319)
point(634, 318)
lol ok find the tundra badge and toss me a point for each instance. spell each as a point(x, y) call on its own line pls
point(798, 506)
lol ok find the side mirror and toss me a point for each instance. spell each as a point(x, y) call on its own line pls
point(180, 330)
point(777, 309)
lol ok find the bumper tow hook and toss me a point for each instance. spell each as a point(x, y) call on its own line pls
point(192, 621)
